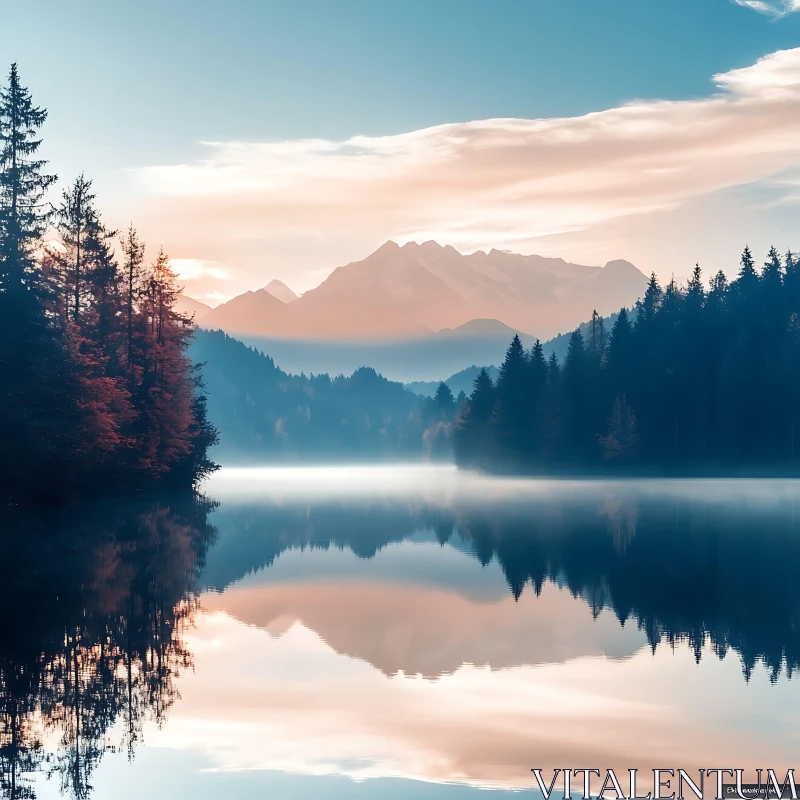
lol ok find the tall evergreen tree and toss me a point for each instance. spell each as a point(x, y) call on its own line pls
point(650, 303)
point(537, 367)
point(133, 289)
point(23, 184)
point(34, 379)
point(747, 265)
point(620, 349)
point(553, 369)
point(512, 411)
point(695, 291)
point(578, 402)
point(473, 435)
point(444, 400)
point(771, 282)
point(76, 218)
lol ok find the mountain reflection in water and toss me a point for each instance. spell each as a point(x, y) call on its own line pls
point(352, 581)
point(710, 563)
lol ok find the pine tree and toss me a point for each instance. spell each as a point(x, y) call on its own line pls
point(718, 287)
point(513, 366)
point(695, 291)
point(578, 415)
point(747, 286)
point(772, 272)
point(747, 269)
point(650, 303)
point(37, 414)
point(595, 338)
point(23, 184)
point(482, 399)
point(133, 289)
point(444, 400)
point(771, 282)
point(473, 434)
point(512, 411)
point(537, 367)
point(76, 217)
point(553, 369)
point(619, 344)
point(165, 399)
point(105, 301)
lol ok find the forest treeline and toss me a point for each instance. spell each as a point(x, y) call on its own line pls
point(692, 380)
point(96, 389)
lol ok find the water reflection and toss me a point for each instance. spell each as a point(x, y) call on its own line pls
point(708, 563)
point(404, 624)
point(93, 635)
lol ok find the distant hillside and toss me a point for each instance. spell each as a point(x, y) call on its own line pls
point(416, 289)
point(264, 414)
point(419, 358)
point(460, 382)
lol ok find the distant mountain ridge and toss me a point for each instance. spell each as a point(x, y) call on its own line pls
point(418, 289)
point(280, 290)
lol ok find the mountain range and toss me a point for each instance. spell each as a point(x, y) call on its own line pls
point(417, 289)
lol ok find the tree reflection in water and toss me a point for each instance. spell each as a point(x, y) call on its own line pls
point(96, 606)
point(711, 567)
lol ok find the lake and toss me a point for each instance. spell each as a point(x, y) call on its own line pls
point(397, 632)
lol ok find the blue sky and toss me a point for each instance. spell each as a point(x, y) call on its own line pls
point(137, 85)
point(172, 73)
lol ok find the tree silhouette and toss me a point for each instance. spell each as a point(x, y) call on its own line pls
point(96, 390)
point(711, 378)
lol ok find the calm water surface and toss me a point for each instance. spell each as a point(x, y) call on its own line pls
point(403, 632)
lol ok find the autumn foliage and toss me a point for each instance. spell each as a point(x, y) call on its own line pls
point(96, 389)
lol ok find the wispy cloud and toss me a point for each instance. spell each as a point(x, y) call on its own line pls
point(773, 9)
point(190, 269)
point(489, 183)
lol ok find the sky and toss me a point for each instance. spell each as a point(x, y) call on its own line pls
point(282, 138)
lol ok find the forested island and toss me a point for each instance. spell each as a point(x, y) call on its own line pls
point(692, 381)
point(97, 393)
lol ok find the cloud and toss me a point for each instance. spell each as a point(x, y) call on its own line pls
point(772, 9)
point(291, 703)
point(506, 183)
point(189, 269)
